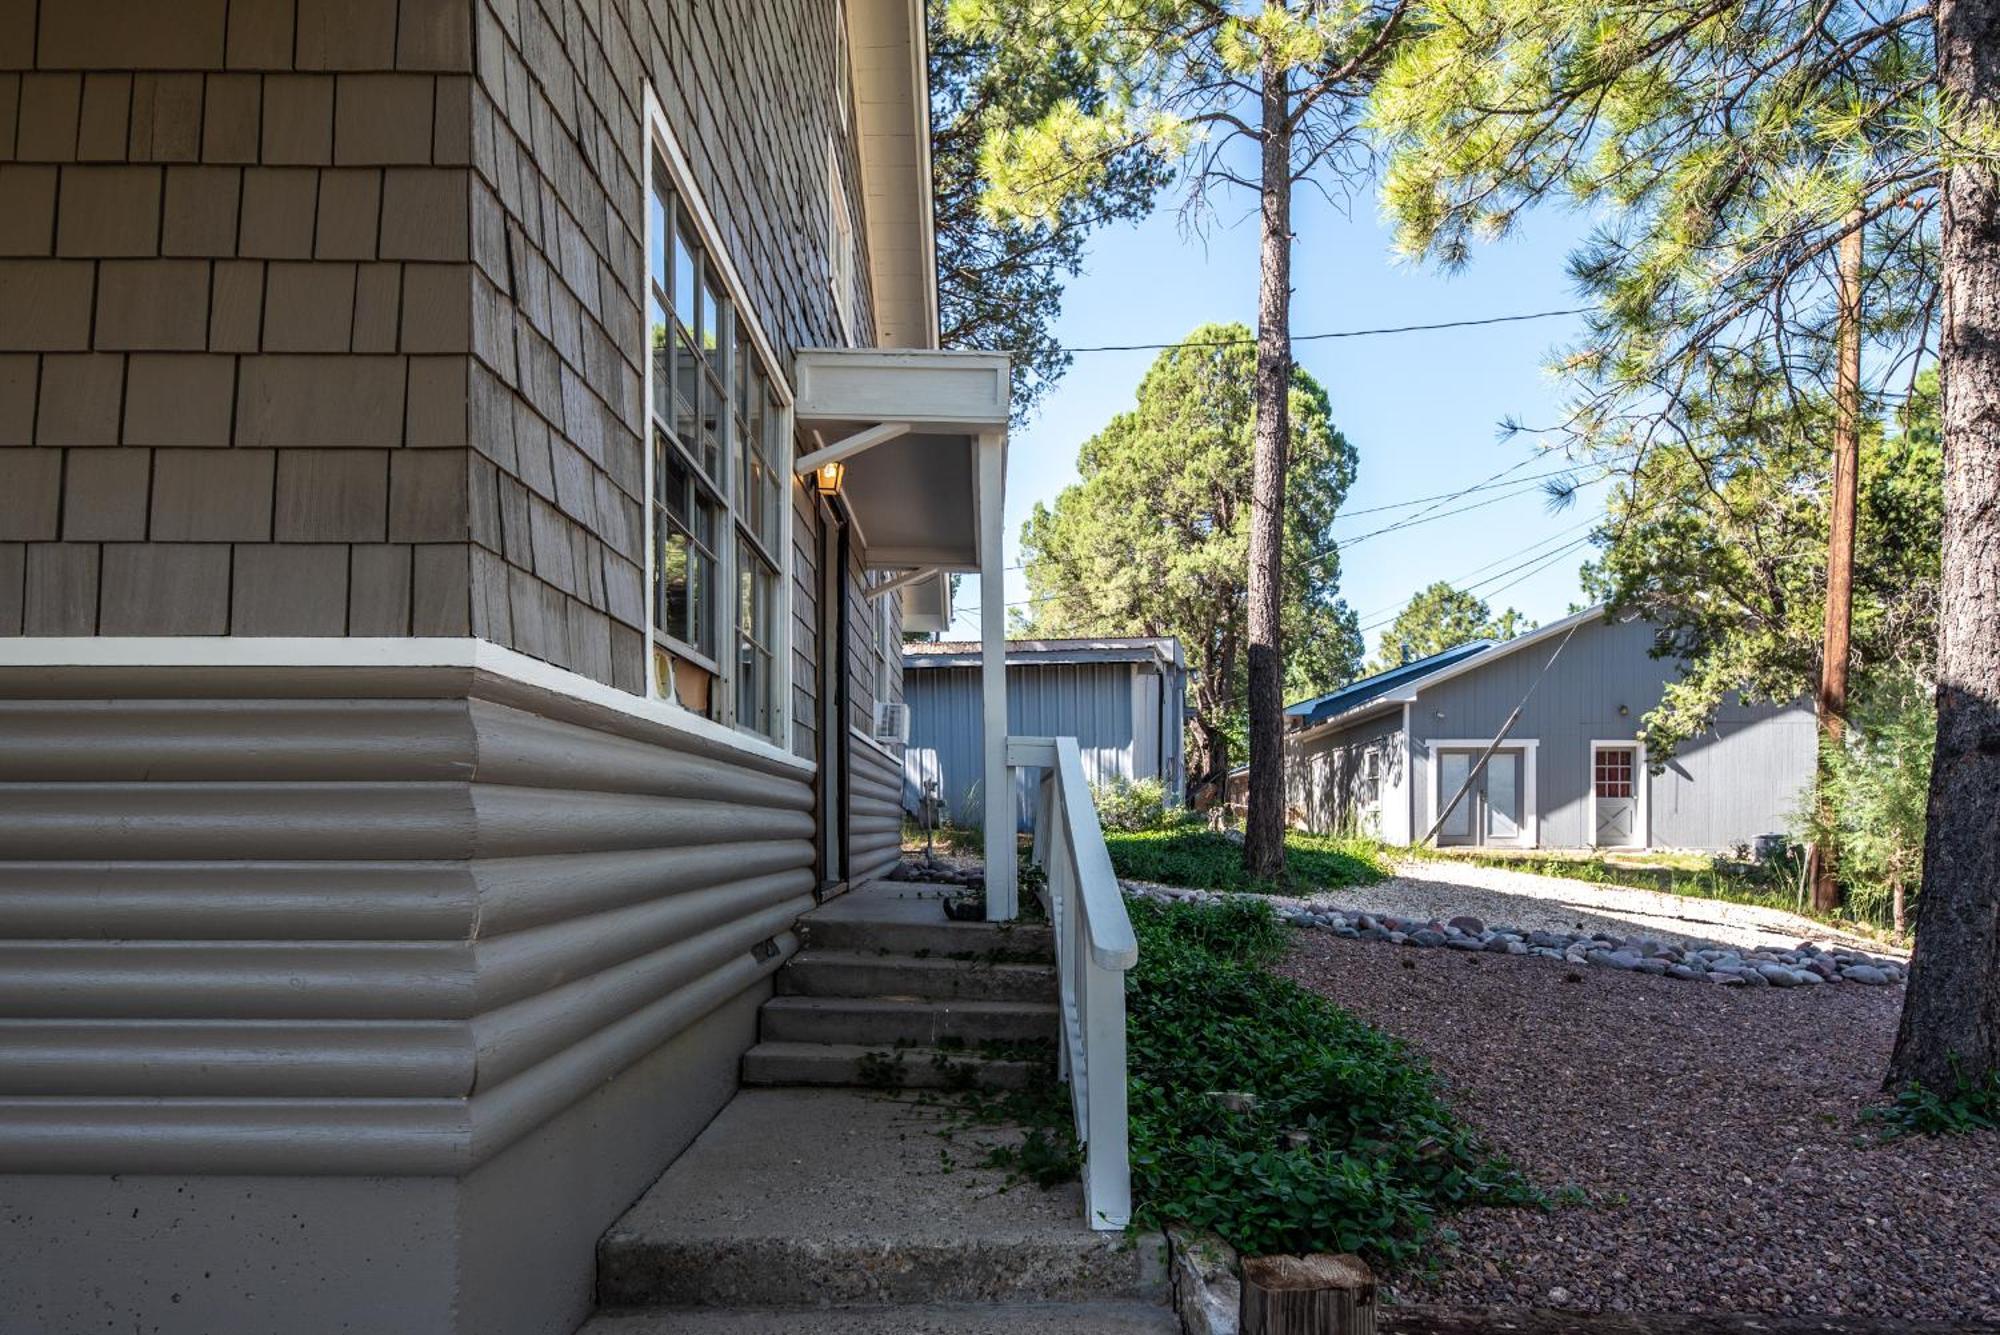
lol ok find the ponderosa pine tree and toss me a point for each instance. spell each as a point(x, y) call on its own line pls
point(1725, 552)
point(1152, 540)
point(1000, 283)
point(1732, 145)
point(1188, 80)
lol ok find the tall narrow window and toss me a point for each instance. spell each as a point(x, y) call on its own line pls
point(720, 468)
point(840, 260)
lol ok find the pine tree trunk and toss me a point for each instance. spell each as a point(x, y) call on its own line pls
point(1208, 760)
point(1952, 1004)
point(1264, 831)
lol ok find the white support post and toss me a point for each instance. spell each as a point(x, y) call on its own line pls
point(1001, 888)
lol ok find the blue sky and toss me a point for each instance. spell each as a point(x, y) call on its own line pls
point(1422, 410)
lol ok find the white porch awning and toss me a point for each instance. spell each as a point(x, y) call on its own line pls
point(916, 419)
point(923, 438)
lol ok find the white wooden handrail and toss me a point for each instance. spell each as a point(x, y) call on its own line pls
point(1094, 947)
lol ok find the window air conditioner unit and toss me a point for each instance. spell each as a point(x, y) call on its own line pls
point(892, 723)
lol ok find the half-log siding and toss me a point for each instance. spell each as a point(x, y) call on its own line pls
point(875, 810)
point(399, 932)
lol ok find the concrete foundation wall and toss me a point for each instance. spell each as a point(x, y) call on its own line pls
point(364, 998)
point(510, 1247)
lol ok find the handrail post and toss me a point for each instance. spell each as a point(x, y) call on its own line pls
point(1107, 1187)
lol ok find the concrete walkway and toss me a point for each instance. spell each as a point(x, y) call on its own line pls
point(853, 1210)
point(1442, 888)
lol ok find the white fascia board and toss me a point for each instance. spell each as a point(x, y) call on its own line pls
point(1381, 704)
point(942, 392)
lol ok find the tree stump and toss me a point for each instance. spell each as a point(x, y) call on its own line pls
point(1307, 1295)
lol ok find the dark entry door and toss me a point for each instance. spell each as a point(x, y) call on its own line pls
point(832, 704)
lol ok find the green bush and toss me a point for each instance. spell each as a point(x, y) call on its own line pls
point(1873, 791)
point(1382, 1155)
point(1195, 857)
point(1126, 805)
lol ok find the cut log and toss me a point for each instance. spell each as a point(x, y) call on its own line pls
point(1308, 1295)
point(1426, 1320)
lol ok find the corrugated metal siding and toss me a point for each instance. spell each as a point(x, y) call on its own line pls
point(1720, 791)
point(1115, 722)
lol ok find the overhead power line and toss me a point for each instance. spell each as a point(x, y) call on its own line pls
point(1337, 333)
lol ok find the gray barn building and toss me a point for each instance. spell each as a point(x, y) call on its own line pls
point(1123, 699)
point(1388, 752)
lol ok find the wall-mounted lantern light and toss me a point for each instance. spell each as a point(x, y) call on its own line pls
point(827, 477)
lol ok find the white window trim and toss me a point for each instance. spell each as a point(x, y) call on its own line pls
point(843, 66)
point(661, 136)
point(1642, 787)
point(1531, 812)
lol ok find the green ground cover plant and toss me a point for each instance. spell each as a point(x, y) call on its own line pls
point(1190, 855)
point(1344, 1143)
point(1966, 1107)
point(1333, 1137)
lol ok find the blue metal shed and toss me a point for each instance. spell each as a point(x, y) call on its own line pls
point(1123, 699)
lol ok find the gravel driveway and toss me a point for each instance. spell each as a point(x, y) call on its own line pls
point(1426, 889)
point(1713, 1132)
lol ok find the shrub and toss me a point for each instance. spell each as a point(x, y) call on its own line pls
point(1126, 805)
point(1381, 1154)
point(1873, 790)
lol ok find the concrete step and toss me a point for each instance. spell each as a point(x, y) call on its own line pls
point(852, 973)
point(888, 1020)
point(1098, 1318)
point(804, 1198)
point(941, 938)
point(859, 1066)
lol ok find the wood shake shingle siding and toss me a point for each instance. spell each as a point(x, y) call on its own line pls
point(234, 307)
point(241, 294)
point(558, 239)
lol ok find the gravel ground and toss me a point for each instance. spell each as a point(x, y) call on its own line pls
point(1531, 902)
point(1714, 1134)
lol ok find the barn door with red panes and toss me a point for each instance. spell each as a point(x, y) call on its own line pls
point(1615, 779)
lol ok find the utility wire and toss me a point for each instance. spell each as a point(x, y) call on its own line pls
point(1337, 333)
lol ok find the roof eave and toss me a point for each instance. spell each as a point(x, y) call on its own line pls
point(890, 54)
point(1471, 662)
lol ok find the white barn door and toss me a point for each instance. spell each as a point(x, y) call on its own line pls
point(1616, 771)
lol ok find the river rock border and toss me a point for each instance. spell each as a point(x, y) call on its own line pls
point(1804, 965)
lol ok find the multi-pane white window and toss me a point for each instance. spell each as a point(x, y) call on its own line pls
point(840, 258)
point(887, 651)
point(719, 469)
